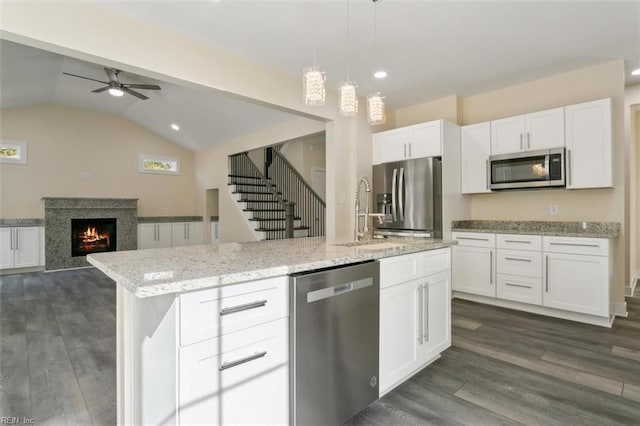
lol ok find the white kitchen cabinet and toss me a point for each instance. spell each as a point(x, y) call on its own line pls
point(20, 247)
point(415, 315)
point(528, 132)
point(589, 145)
point(417, 141)
point(475, 143)
point(576, 275)
point(186, 234)
point(519, 267)
point(215, 232)
point(474, 261)
point(238, 378)
point(154, 235)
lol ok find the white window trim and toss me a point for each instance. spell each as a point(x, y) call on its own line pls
point(144, 157)
point(22, 150)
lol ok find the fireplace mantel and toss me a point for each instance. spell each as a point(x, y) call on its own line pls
point(58, 212)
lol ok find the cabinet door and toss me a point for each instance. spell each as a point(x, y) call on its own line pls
point(7, 242)
point(194, 233)
point(507, 135)
point(390, 145)
point(544, 129)
point(238, 378)
point(437, 304)
point(27, 247)
point(577, 283)
point(425, 140)
point(147, 235)
point(400, 348)
point(474, 270)
point(475, 151)
point(179, 234)
point(588, 142)
point(215, 232)
point(164, 235)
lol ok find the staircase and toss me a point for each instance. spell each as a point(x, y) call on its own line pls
point(264, 202)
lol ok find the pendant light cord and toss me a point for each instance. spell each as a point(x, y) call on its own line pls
point(315, 36)
point(348, 45)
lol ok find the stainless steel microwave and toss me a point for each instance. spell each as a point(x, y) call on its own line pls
point(531, 169)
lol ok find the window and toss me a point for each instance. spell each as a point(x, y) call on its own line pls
point(13, 152)
point(163, 165)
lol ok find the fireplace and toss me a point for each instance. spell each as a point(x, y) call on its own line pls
point(93, 236)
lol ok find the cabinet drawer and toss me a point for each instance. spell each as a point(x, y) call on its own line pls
point(434, 261)
point(577, 245)
point(520, 289)
point(210, 313)
point(399, 269)
point(519, 242)
point(520, 262)
point(474, 239)
point(239, 378)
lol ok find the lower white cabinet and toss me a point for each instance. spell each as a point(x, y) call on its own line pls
point(474, 261)
point(154, 235)
point(186, 234)
point(238, 378)
point(415, 318)
point(215, 232)
point(20, 247)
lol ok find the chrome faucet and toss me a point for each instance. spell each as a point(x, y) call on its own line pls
point(359, 213)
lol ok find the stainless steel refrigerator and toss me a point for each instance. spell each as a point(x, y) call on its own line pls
point(409, 193)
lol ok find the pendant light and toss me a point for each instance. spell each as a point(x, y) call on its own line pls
point(348, 97)
point(313, 78)
point(376, 111)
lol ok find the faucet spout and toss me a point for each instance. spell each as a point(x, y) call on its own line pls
point(358, 212)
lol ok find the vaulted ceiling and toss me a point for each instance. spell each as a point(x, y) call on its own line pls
point(430, 49)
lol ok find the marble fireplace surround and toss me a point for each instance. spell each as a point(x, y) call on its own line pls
point(59, 211)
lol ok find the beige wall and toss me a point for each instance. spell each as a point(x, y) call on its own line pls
point(305, 154)
point(80, 153)
point(212, 169)
point(449, 108)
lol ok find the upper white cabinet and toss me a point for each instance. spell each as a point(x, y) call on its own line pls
point(588, 143)
point(20, 247)
point(475, 143)
point(420, 140)
point(528, 132)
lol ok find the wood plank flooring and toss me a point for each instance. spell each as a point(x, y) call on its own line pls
point(57, 363)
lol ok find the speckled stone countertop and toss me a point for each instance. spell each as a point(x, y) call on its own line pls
point(165, 219)
point(4, 223)
point(156, 272)
point(565, 229)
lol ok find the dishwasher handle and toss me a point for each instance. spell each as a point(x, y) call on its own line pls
point(337, 290)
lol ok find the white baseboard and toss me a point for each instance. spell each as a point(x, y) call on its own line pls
point(620, 309)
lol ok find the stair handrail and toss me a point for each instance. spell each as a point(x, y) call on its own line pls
point(304, 182)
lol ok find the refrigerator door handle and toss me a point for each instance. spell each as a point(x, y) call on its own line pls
point(393, 195)
point(401, 195)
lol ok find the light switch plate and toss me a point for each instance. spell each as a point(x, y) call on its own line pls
point(553, 209)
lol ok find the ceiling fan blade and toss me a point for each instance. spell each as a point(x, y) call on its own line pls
point(112, 73)
point(100, 90)
point(86, 78)
point(143, 86)
point(134, 93)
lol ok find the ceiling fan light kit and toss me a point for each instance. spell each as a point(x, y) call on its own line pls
point(116, 87)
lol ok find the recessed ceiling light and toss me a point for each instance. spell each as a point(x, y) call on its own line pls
point(636, 71)
point(380, 74)
point(175, 127)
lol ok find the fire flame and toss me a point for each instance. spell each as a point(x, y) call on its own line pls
point(92, 235)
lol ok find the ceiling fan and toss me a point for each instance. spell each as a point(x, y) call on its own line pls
point(116, 87)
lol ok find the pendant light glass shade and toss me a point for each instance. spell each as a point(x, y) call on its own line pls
point(313, 86)
point(348, 99)
point(376, 113)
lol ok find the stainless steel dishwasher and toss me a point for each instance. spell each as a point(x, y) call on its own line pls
point(334, 343)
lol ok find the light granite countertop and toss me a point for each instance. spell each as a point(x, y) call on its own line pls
point(156, 272)
point(565, 229)
point(4, 223)
point(166, 219)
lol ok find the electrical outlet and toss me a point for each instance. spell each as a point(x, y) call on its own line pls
point(342, 198)
point(553, 209)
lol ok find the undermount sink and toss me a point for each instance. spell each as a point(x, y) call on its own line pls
point(380, 246)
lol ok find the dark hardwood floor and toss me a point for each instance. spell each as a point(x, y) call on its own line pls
point(57, 363)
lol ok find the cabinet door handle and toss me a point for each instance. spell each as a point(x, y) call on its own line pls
point(405, 150)
point(409, 149)
point(521, 147)
point(17, 239)
point(11, 239)
point(528, 140)
point(517, 241)
point(425, 312)
point(472, 238)
point(488, 173)
point(574, 244)
point(491, 267)
point(257, 355)
point(518, 259)
point(568, 167)
point(517, 285)
point(546, 273)
point(419, 312)
point(244, 307)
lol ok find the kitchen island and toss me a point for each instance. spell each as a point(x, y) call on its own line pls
point(173, 328)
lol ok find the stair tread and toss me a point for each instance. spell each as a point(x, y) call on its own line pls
point(254, 192)
point(257, 219)
point(259, 201)
point(295, 228)
point(260, 185)
point(244, 177)
point(263, 210)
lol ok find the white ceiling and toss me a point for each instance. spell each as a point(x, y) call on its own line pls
point(430, 48)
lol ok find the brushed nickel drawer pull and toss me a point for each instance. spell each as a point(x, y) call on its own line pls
point(472, 238)
point(257, 355)
point(574, 244)
point(518, 259)
point(517, 241)
point(517, 285)
point(546, 273)
point(240, 308)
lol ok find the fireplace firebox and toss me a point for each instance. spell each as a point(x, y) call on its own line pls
point(93, 236)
